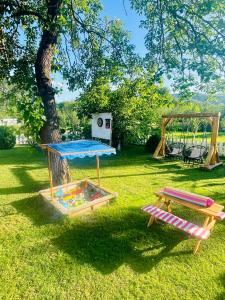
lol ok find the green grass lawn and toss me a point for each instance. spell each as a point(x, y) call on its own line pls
point(109, 254)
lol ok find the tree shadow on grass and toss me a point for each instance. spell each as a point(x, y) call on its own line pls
point(28, 184)
point(22, 155)
point(221, 296)
point(36, 210)
point(185, 173)
point(108, 242)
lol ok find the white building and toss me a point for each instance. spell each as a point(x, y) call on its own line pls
point(8, 122)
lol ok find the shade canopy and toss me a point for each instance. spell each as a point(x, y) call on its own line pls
point(81, 149)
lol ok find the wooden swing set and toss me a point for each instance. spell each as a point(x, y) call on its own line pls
point(212, 159)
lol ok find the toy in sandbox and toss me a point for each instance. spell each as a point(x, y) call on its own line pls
point(77, 197)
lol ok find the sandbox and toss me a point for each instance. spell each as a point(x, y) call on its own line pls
point(77, 197)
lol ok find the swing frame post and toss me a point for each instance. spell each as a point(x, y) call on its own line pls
point(212, 159)
point(213, 156)
point(161, 148)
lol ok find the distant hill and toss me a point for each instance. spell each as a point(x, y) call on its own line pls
point(219, 99)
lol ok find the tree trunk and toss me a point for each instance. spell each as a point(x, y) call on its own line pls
point(50, 132)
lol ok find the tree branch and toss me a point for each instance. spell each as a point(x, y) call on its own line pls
point(181, 53)
point(194, 31)
point(67, 50)
point(124, 7)
point(94, 31)
point(17, 10)
point(191, 12)
point(23, 12)
point(84, 26)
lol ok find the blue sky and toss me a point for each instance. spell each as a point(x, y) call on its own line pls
point(115, 9)
point(131, 20)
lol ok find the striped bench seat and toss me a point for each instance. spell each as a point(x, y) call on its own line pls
point(221, 216)
point(190, 228)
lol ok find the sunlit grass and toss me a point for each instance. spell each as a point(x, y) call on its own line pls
point(109, 254)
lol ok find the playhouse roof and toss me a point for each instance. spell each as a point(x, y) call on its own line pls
point(81, 149)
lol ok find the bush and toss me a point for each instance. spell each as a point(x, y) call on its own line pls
point(7, 137)
point(152, 143)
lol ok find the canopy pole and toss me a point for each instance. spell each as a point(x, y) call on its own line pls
point(50, 174)
point(97, 167)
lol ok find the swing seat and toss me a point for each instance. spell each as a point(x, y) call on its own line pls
point(195, 154)
point(175, 150)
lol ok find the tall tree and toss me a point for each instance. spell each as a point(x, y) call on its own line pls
point(68, 36)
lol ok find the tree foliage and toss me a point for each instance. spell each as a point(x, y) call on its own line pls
point(71, 125)
point(19, 104)
point(88, 46)
point(136, 105)
point(32, 113)
point(185, 38)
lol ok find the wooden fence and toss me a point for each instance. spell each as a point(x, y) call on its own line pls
point(21, 139)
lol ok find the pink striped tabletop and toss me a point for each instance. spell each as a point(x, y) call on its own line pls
point(189, 197)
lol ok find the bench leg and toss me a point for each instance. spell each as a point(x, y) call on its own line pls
point(151, 221)
point(196, 247)
point(212, 219)
point(168, 206)
point(158, 204)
